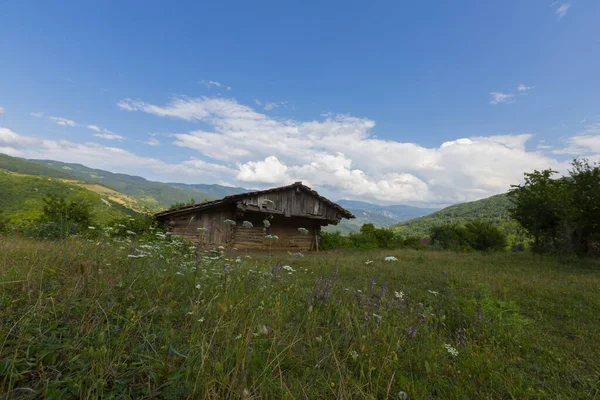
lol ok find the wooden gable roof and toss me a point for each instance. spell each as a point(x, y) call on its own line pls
point(245, 201)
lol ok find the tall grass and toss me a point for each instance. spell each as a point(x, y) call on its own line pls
point(158, 318)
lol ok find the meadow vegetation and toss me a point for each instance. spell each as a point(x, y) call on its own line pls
point(123, 315)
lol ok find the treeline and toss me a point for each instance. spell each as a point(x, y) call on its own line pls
point(562, 215)
point(368, 238)
point(473, 236)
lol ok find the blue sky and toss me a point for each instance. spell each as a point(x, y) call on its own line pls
point(391, 102)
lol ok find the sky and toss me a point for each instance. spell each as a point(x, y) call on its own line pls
point(422, 103)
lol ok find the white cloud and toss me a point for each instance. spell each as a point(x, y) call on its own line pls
point(257, 102)
point(108, 135)
point(1, 111)
point(94, 128)
point(208, 84)
point(152, 142)
point(37, 114)
point(339, 154)
point(585, 144)
point(63, 121)
point(524, 89)
point(109, 158)
point(499, 97)
point(270, 106)
point(562, 10)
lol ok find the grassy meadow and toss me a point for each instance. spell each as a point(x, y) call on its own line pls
point(155, 317)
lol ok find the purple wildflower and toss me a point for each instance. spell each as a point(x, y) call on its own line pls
point(412, 332)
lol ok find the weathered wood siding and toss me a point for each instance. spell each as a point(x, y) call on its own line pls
point(294, 202)
point(216, 233)
point(286, 229)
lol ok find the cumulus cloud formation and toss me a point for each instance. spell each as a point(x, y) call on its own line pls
point(340, 155)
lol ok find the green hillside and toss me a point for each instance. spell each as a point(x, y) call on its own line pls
point(492, 209)
point(21, 198)
point(153, 195)
point(22, 166)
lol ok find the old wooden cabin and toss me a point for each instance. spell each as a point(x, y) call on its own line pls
point(286, 209)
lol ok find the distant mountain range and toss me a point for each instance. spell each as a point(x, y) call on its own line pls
point(127, 192)
point(380, 216)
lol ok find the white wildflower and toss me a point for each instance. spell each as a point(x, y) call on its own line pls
point(379, 317)
point(399, 295)
point(391, 258)
point(238, 337)
point(303, 231)
point(288, 268)
point(266, 223)
point(130, 232)
point(229, 222)
point(368, 262)
point(319, 339)
point(433, 292)
point(451, 350)
point(353, 354)
point(202, 229)
point(272, 237)
point(91, 227)
point(247, 224)
point(198, 286)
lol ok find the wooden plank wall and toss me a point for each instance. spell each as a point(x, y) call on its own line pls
point(286, 229)
point(217, 232)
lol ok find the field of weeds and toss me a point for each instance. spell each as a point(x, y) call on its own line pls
point(158, 318)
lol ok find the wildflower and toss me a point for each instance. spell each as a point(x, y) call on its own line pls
point(272, 237)
point(201, 319)
point(229, 222)
point(399, 295)
point(368, 262)
point(288, 268)
point(303, 231)
point(299, 255)
point(412, 332)
point(353, 354)
point(247, 224)
point(391, 258)
point(433, 292)
point(402, 396)
point(319, 339)
point(379, 317)
point(189, 313)
point(267, 201)
point(130, 232)
point(451, 350)
point(91, 227)
point(264, 330)
point(238, 337)
point(202, 229)
point(198, 286)
point(266, 223)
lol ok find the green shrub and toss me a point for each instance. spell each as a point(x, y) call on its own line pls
point(335, 240)
point(139, 225)
point(475, 235)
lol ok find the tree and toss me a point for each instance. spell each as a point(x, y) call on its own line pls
point(539, 206)
point(58, 209)
point(561, 214)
